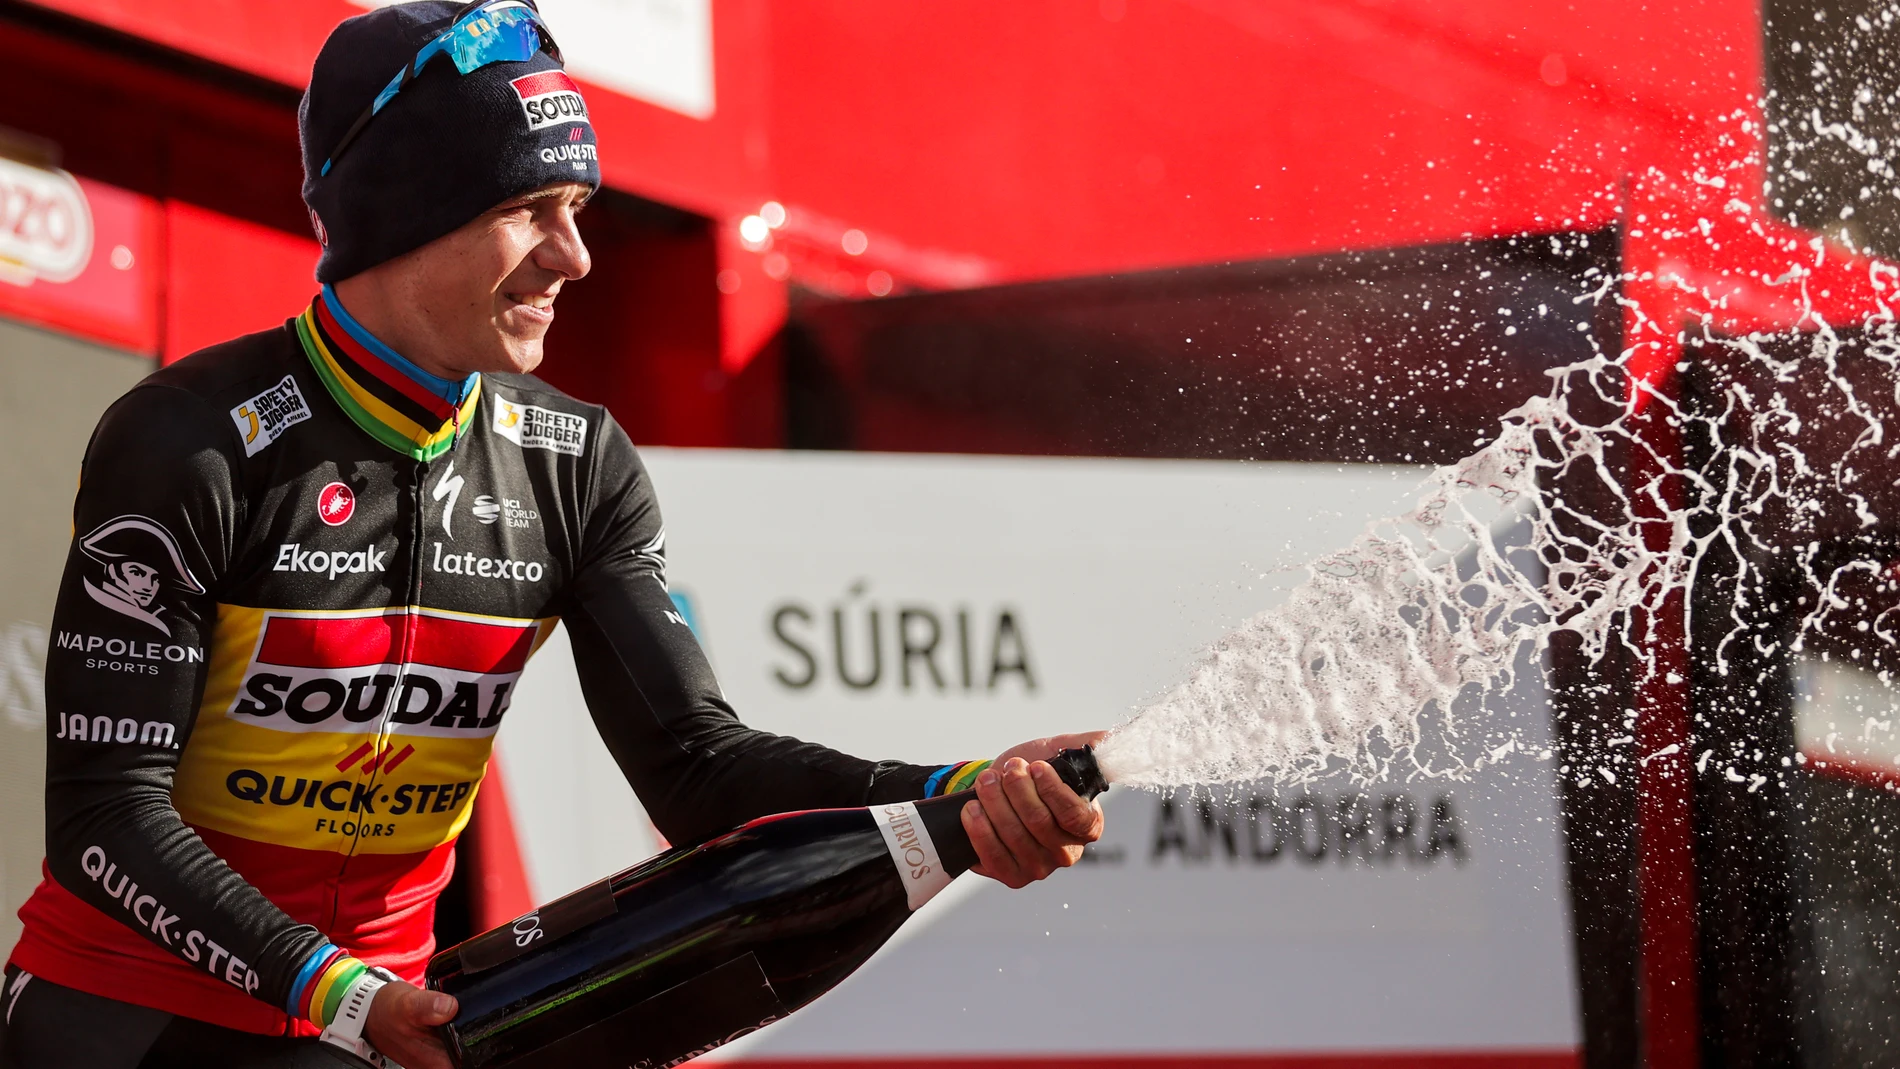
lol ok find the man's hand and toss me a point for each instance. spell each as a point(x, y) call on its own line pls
point(1026, 823)
point(402, 1025)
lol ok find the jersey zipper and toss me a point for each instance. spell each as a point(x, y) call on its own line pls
point(405, 648)
point(406, 628)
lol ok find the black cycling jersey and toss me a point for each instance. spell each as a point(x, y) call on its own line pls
point(304, 580)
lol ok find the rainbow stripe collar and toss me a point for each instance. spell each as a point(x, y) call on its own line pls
point(395, 402)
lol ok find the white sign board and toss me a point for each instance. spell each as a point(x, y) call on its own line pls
point(45, 224)
point(1012, 598)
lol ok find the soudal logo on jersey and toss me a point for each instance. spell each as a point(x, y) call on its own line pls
point(317, 673)
point(549, 99)
point(335, 504)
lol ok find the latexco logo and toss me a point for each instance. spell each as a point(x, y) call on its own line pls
point(139, 559)
point(521, 571)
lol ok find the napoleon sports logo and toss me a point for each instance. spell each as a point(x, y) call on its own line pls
point(549, 99)
point(340, 673)
point(139, 560)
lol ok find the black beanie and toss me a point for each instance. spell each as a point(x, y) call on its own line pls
point(447, 148)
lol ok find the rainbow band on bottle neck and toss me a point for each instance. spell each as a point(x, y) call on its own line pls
point(953, 778)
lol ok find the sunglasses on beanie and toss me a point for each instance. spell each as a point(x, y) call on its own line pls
point(483, 32)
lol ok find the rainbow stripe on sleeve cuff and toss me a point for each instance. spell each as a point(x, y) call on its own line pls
point(322, 983)
point(953, 778)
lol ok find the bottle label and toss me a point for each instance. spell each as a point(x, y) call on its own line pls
point(911, 849)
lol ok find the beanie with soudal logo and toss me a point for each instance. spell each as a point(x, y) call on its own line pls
point(394, 160)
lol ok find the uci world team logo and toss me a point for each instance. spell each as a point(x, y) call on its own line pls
point(137, 561)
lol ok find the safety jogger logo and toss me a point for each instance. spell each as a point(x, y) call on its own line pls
point(263, 418)
point(534, 427)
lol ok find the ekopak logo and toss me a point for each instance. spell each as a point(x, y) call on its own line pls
point(335, 504)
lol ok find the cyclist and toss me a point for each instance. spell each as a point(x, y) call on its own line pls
point(284, 638)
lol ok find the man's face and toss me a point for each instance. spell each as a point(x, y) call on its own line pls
point(482, 297)
point(138, 580)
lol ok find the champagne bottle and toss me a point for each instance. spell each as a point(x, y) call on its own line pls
point(700, 945)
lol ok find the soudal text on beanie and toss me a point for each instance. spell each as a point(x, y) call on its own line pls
point(446, 148)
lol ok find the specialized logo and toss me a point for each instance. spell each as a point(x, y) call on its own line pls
point(449, 486)
point(335, 504)
point(315, 673)
point(262, 419)
point(549, 99)
point(139, 560)
point(534, 427)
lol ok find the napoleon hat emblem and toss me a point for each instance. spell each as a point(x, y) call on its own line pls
point(138, 559)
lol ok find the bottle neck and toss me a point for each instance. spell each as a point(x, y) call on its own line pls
point(942, 817)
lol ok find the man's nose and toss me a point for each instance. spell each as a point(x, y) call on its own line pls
point(562, 250)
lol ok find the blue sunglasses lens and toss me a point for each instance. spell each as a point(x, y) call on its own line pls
point(508, 35)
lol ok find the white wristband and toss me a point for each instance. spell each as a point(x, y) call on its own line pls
point(352, 1013)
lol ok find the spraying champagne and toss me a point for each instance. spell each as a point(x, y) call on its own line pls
point(700, 945)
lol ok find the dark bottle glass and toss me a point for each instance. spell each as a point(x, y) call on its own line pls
point(700, 945)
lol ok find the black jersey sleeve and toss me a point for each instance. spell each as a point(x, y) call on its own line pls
point(695, 767)
point(153, 526)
